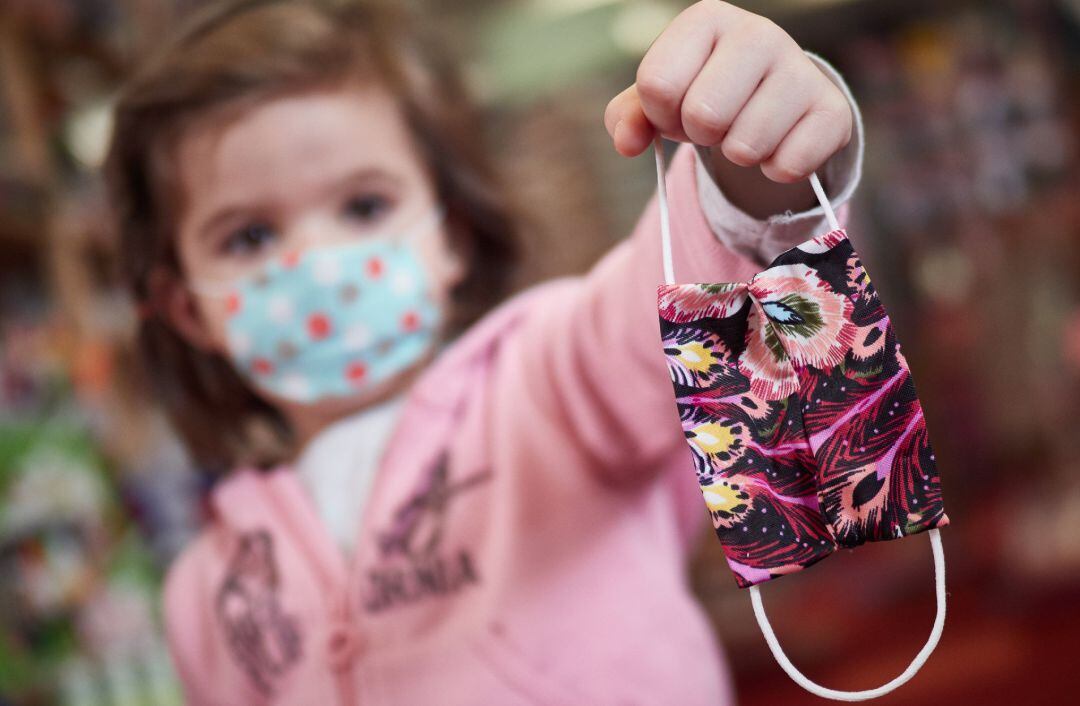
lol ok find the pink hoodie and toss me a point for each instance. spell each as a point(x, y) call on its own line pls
point(526, 537)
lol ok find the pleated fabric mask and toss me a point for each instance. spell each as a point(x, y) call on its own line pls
point(802, 418)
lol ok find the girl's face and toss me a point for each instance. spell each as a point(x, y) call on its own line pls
point(311, 169)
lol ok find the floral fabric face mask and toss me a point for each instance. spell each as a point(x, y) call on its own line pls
point(801, 414)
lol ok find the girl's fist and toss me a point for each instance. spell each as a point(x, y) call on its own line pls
point(725, 78)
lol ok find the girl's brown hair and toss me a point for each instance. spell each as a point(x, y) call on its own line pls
point(239, 54)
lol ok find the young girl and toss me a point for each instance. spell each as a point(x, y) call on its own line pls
point(427, 501)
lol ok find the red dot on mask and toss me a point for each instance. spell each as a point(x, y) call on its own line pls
point(290, 259)
point(262, 366)
point(410, 321)
point(374, 267)
point(318, 326)
point(356, 372)
point(232, 303)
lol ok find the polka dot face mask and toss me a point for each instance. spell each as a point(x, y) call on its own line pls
point(330, 321)
point(801, 416)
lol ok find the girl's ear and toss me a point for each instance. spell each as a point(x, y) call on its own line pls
point(175, 303)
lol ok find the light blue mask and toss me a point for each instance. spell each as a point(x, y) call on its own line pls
point(330, 321)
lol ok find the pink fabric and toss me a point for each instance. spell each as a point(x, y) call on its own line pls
point(551, 566)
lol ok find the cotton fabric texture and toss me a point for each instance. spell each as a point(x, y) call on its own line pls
point(800, 410)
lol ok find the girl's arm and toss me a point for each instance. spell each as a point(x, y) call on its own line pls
point(589, 357)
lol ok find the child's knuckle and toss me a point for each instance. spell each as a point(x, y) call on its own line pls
point(831, 118)
point(794, 163)
point(741, 150)
point(758, 30)
point(712, 7)
point(701, 118)
point(836, 107)
point(657, 89)
point(790, 171)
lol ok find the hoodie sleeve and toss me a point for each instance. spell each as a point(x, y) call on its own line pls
point(591, 358)
point(760, 240)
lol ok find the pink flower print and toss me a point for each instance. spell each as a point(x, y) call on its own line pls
point(810, 321)
point(765, 362)
point(680, 303)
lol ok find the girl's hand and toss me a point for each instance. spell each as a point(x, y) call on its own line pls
point(728, 79)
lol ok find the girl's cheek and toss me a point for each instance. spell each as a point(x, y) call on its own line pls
point(215, 314)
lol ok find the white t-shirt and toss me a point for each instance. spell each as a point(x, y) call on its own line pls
point(338, 465)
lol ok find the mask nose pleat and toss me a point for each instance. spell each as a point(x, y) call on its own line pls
point(876, 472)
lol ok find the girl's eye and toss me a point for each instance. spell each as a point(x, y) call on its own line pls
point(249, 240)
point(368, 207)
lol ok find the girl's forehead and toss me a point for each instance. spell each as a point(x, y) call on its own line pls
point(297, 142)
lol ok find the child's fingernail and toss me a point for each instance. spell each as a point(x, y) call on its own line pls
point(615, 132)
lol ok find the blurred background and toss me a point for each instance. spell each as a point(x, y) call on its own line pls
point(967, 217)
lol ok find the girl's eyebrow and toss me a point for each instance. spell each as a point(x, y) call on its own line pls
point(220, 216)
point(366, 174)
point(236, 211)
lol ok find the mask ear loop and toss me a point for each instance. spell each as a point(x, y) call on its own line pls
point(819, 191)
point(755, 591)
point(907, 674)
point(665, 225)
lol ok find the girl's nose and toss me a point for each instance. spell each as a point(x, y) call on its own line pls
point(317, 231)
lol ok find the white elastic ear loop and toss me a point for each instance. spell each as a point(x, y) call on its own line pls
point(665, 224)
point(824, 201)
point(912, 669)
